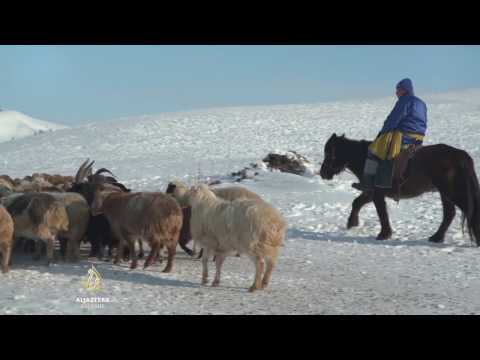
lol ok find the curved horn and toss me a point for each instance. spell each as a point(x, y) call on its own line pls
point(79, 175)
point(88, 169)
point(103, 170)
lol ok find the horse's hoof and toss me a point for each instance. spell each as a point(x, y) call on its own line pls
point(382, 236)
point(215, 283)
point(252, 289)
point(352, 223)
point(436, 239)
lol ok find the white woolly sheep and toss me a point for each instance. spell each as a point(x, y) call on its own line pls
point(243, 226)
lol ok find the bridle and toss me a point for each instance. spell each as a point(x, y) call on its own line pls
point(338, 170)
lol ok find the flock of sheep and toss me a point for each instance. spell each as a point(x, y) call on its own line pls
point(96, 208)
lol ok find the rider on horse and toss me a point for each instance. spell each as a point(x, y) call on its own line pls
point(405, 126)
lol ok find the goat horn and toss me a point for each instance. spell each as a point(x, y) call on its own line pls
point(88, 169)
point(79, 175)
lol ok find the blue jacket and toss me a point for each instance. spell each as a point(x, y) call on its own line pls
point(409, 113)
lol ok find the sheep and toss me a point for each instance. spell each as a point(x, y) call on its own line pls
point(78, 214)
point(244, 225)
point(6, 238)
point(38, 182)
point(179, 191)
point(151, 216)
point(79, 217)
point(6, 182)
point(38, 216)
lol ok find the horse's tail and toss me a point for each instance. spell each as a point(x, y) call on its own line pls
point(471, 199)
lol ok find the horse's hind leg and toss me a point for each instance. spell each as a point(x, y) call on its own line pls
point(357, 205)
point(381, 206)
point(448, 215)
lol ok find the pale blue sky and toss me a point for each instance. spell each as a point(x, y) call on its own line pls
point(78, 84)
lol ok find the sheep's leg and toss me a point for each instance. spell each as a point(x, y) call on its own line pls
point(259, 266)
point(152, 256)
point(63, 247)
point(38, 250)
point(268, 273)
point(133, 253)
point(101, 252)
point(141, 254)
point(206, 255)
point(76, 249)
point(50, 246)
point(73, 247)
point(6, 257)
point(194, 250)
point(171, 255)
point(158, 254)
point(218, 263)
point(119, 254)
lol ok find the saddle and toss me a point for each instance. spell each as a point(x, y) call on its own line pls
point(392, 174)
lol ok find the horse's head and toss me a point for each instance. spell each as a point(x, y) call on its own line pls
point(335, 159)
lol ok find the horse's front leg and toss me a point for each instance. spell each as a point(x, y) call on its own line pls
point(381, 206)
point(357, 205)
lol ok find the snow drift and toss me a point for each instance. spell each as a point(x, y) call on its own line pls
point(15, 125)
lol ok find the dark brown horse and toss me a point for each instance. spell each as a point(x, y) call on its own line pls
point(440, 167)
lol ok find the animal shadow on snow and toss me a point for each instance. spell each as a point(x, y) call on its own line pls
point(370, 240)
point(107, 270)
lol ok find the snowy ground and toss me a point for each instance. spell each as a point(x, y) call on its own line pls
point(323, 268)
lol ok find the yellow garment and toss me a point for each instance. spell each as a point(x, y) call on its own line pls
point(389, 145)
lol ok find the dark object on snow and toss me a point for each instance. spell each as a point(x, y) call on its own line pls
point(246, 173)
point(290, 162)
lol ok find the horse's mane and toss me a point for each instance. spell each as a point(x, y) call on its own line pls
point(359, 142)
point(357, 151)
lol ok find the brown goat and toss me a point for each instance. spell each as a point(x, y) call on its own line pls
point(151, 216)
point(6, 238)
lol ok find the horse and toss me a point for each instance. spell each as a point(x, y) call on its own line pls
point(440, 167)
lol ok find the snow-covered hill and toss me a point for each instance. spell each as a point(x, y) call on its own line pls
point(323, 269)
point(15, 125)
